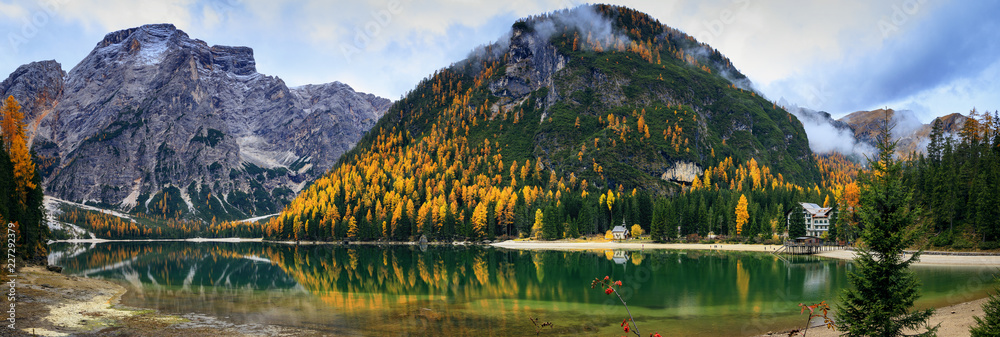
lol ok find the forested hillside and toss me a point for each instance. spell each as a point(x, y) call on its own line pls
point(534, 135)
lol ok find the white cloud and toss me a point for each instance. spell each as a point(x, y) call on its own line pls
point(13, 11)
point(791, 49)
point(112, 15)
point(210, 17)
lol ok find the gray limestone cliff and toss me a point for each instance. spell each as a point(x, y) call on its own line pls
point(155, 122)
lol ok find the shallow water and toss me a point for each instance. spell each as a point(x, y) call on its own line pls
point(457, 290)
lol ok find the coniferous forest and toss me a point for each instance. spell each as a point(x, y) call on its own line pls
point(957, 184)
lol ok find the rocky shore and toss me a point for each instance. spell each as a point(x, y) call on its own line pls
point(53, 304)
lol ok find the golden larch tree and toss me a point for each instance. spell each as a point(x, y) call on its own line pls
point(479, 219)
point(12, 126)
point(742, 215)
point(536, 228)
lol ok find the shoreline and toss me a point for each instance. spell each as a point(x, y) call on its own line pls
point(55, 304)
point(929, 258)
point(954, 320)
point(925, 259)
point(232, 240)
point(564, 245)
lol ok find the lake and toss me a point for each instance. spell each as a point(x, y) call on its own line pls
point(475, 290)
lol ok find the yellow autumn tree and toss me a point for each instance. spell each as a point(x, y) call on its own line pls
point(12, 126)
point(352, 228)
point(536, 228)
point(696, 184)
point(637, 231)
point(741, 214)
point(610, 200)
point(479, 219)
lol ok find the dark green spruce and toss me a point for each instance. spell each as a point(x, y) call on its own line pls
point(883, 287)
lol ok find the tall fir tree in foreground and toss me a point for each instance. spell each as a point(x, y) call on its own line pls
point(883, 288)
point(989, 324)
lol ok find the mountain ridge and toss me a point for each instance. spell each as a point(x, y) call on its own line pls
point(564, 108)
point(155, 122)
point(912, 135)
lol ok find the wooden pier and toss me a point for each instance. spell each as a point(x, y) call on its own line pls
point(806, 246)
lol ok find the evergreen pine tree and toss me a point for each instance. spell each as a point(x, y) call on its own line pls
point(586, 223)
point(550, 228)
point(671, 222)
point(572, 228)
point(989, 324)
point(797, 222)
point(645, 205)
point(658, 224)
point(883, 288)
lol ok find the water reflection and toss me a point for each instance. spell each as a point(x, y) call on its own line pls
point(470, 290)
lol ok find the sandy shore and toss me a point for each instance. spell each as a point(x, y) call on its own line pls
point(955, 320)
point(929, 259)
point(52, 304)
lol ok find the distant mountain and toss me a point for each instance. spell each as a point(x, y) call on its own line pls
point(592, 62)
point(913, 135)
point(827, 135)
point(567, 104)
point(155, 122)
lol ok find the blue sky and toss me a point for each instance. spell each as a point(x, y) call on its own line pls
point(931, 56)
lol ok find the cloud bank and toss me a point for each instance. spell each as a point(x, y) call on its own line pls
point(928, 47)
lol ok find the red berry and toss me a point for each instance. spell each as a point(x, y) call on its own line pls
point(608, 291)
point(619, 283)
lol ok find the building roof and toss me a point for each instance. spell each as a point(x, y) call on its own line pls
point(619, 229)
point(815, 210)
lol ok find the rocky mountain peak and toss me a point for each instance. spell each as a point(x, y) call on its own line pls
point(146, 33)
point(36, 86)
point(153, 121)
point(165, 45)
